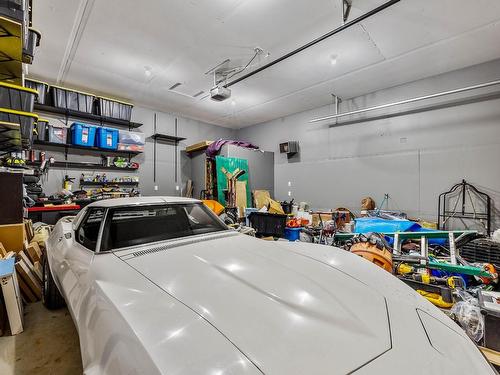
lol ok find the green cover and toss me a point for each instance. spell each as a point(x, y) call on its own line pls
point(230, 164)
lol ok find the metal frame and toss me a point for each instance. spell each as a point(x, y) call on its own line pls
point(406, 101)
point(460, 190)
point(315, 41)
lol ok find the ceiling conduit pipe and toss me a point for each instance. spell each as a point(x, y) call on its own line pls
point(406, 101)
point(315, 41)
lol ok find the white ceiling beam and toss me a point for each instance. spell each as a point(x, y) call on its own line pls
point(80, 22)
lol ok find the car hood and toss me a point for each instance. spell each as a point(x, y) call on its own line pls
point(286, 312)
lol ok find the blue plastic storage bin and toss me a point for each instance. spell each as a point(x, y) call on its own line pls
point(292, 234)
point(107, 138)
point(83, 134)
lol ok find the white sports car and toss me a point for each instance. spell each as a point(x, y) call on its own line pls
point(160, 285)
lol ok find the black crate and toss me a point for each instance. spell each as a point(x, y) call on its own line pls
point(114, 109)
point(17, 97)
point(25, 120)
point(13, 9)
point(71, 99)
point(482, 250)
point(32, 41)
point(268, 225)
point(41, 87)
point(42, 127)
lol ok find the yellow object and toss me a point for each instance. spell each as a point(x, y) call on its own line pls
point(275, 207)
point(428, 225)
point(114, 100)
point(199, 146)
point(19, 113)
point(404, 269)
point(12, 236)
point(435, 299)
point(261, 198)
point(241, 196)
point(491, 355)
point(68, 89)
point(17, 87)
point(215, 206)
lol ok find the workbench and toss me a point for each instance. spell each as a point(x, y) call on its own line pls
point(51, 214)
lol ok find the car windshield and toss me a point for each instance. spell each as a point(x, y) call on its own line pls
point(131, 226)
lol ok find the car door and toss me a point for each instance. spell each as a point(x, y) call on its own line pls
point(78, 259)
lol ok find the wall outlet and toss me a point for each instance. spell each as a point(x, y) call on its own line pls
point(177, 187)
point(289, 193)
point(289, 183)
point(156, 188)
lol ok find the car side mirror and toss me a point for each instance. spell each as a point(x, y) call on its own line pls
point(80, 236)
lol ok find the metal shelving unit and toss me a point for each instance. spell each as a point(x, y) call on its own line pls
point(68, 113)
point(79, 165)
point(10, 137)
point(167, 138)
point(11, 51)
point(109, 183)
point(67, 148)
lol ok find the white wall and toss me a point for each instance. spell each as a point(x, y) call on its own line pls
point(194, 131)
point(412, 157)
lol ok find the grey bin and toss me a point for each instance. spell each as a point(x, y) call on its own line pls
point(14, 9)
point(32, 42)
point(16, 97)
point(72, 99)
point(25, 120)
point(114, 109)
point(42, 129)
point(41, 87)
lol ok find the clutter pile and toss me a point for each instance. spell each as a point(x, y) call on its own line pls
point(21, 269)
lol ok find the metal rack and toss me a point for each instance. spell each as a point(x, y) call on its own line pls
point(462, 191)
point(11, 51)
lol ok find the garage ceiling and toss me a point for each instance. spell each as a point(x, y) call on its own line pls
point(138, 50)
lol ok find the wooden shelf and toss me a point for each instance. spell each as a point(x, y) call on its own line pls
point(166, 138)
point(85, 116)
point(109, 183)
point(79, 165)
point(63, 147)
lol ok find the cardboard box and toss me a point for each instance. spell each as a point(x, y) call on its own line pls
point(325, 216)
point(199, 146)
point(12, 236)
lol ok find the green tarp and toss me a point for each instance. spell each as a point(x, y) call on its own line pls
point(230, 164)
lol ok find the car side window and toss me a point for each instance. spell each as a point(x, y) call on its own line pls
point(88, 232)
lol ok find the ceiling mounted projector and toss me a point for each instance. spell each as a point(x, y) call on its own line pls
point(220, 93)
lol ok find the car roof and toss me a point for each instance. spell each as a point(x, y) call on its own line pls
point(137, 201)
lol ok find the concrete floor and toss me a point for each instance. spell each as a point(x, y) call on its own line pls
point(48, 346)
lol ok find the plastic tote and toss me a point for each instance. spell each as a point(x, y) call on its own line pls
point(41, 87)
point(14, 9)
point(25, 120)
point(57, 134)
point(33, 41)
point(107, 138)
point(83, 134)
point(17, 97)
point(41, 129)
point(114, 108)
point(72, 99)
point(131, 138)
